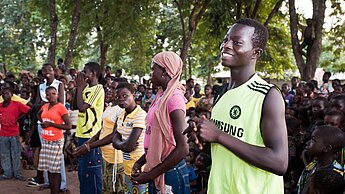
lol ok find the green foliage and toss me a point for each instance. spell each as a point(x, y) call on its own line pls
point(17, 48)
point(136, 30)
point(333, 55)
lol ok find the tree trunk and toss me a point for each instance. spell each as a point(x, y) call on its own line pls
point(73, 33)
point(53, 29)
point(183, 31)
point(196, 14)
point(319, 7)
point(3, 55)
point(103, 58)
point(209, 78)
point(307, 69)
point(256, 9)
point(189, 67)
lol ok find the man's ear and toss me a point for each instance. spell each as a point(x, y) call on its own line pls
point(257, 53)
point(328, 148)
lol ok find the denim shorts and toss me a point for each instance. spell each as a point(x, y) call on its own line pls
point(90, 170)
point(176, 178)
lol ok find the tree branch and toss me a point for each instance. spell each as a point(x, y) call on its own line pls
point(273, 12)
point(294, 38)
point(256, 9)
point(238, 9)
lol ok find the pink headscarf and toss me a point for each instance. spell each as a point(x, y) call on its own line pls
point(162, 142)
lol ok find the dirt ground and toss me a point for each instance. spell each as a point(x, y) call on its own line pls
point(18, 187)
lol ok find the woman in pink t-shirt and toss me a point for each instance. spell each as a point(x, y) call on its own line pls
point(54, 118)
point(165, 146)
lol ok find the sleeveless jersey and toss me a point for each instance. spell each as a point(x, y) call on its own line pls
point(44, 86)
point(238, 113)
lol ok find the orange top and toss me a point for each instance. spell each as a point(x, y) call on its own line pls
point(54, 115)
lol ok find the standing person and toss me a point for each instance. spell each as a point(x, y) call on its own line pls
point(129, 135)
point(54, 118)
point(41, 99)
point(10, 111)
point(248, 137)
point(294, 85)
point(190, 86)
point(196, 96)
point(90, 103)
point(206, 102)
point(288, 97)
point(165, 146)
point(326, 87)
point(112, 181)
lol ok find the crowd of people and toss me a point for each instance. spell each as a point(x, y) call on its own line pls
point(159, 136)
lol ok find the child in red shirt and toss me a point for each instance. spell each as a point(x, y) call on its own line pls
point(10, 111)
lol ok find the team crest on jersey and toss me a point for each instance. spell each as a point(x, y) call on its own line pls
point(235, 112)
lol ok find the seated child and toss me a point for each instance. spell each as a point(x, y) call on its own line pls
point(201, 173)
point(190, 160)
point(325, 142)
point(27, 156)
point(326, 181)
point(69, 151)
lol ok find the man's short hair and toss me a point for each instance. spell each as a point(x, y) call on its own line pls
point(260, 35)
point(94, 67)
point(48, 64)
point(126, 85)
point(332, 136)
point(329, 74)
point(50, 88)
point(119, 71)
point(189, 80)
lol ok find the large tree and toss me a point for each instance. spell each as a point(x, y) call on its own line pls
point(73, 32)
point(307, 64)
point(193, 16)
point(53, 18)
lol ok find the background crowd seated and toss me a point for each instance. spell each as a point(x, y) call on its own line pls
point(307, 106)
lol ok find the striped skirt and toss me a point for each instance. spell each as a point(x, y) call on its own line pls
point(51, 155)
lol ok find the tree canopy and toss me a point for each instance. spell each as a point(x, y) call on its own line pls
point(127, 33)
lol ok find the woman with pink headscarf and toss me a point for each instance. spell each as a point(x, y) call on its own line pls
point(165, 146)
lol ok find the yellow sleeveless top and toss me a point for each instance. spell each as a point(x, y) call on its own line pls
point(238, 113)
